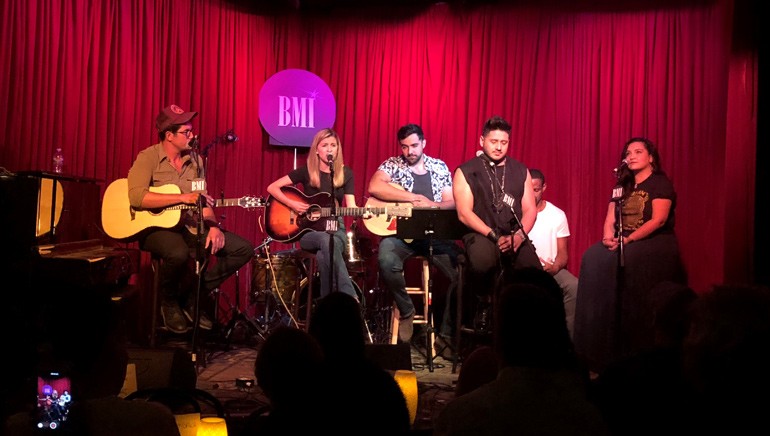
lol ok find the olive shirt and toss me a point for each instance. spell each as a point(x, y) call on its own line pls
point(152, 167)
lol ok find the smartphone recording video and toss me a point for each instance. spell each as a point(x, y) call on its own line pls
point(54, 398)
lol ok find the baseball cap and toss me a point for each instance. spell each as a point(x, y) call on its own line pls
point(171, 115)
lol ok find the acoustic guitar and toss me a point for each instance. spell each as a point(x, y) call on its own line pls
point(283, 224)
point(384, 225)
point(121, 221)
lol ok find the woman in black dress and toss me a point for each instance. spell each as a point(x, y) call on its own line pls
point(613, 315)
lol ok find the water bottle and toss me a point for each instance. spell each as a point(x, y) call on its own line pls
point(58, 160)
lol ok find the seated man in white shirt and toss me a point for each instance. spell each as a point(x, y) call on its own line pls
point(550, 236)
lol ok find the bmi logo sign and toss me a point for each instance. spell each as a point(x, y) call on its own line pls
point(294, 105)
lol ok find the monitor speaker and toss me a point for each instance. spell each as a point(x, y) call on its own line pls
point(160, 368)
point(390, 356)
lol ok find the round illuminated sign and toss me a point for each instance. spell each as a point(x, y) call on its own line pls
point(294, 105)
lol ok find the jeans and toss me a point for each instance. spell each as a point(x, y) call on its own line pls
point(569, 287)
point(392, 254)
point(318, 243)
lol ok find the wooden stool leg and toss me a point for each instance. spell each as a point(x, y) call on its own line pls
point(423, 292)
point(427, 309)
point(394, 322)
point(310, 266)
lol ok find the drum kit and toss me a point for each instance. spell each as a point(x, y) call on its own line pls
point(280, 282)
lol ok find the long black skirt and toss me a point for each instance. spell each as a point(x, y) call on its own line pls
point(613, 313)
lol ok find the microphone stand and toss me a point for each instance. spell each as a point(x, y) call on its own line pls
point(524, 234)
point(331, 224)
point(429, 328)
point(619, 198)
point(516, 222)
point(200, 259)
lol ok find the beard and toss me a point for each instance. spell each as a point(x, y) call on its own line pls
point(412, 159)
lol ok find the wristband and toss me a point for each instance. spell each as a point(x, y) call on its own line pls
point(492, 236)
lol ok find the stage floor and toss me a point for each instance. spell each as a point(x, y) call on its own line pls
point(219, 371)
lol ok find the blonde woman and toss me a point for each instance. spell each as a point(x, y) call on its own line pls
point(315, 178)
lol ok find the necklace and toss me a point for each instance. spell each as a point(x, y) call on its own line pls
point(498, 195)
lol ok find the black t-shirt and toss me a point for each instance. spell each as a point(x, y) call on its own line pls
point(301, 176)
point(637, 208)
point(422, 185)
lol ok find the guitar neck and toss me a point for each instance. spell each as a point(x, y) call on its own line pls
point(352, 211)
point(225, 202)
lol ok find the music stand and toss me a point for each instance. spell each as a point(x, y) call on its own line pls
point(430, 224)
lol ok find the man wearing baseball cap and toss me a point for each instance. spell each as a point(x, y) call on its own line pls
point(170, 162)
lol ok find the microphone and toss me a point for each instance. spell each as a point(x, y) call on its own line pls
point(623, 164)
point(330, 158)
point(480, 153)
point(195, 143)
point(230, 136)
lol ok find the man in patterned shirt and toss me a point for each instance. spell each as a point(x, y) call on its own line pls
point(426, 182)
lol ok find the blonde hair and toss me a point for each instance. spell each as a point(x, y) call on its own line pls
point(313, 160)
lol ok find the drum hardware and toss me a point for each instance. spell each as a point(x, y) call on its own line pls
point(316, 287)
point(379, 313)
point(362, 302)
point(352, 245)
point(262, 245)
point(274, 281)
point(239, 318)
point(259, 325)
point(276, 277)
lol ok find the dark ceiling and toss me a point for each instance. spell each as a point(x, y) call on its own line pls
point(405, 8)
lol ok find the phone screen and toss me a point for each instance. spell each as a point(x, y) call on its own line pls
point(54, 399)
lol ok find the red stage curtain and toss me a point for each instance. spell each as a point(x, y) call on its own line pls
point(575, 83)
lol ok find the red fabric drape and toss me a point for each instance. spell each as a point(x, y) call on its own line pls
point(575, 84)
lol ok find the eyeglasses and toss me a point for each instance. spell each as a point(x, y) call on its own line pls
point(186, 133)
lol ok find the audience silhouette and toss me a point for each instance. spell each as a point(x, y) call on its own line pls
point(363, 390)
point(289, 372)
point(540, 388)
point(91, 348)
point(478, 369)
point(644, 393)
point(726, 359)
point(481, 366)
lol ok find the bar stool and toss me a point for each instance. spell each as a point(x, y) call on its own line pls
point(155, 264)
point(421, 292)
point(309, 265)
